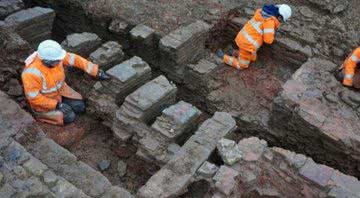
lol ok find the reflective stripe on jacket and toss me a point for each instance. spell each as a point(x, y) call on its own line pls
point(44, 86)
point(350, 67)
point(256, 31)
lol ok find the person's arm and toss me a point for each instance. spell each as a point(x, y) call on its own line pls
point(269, 31)
point(32, 87)
point(77, 61)
point(350, 66)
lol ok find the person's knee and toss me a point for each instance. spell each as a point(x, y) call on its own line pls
point(69, 117)
point(79, 106)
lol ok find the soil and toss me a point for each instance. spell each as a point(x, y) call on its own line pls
point(99, 144)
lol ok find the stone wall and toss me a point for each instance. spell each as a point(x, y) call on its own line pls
point(264, 171)
point(316, 115)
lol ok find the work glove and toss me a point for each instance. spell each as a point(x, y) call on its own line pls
point(102, 75)
point(220, 53)
point(65, 108)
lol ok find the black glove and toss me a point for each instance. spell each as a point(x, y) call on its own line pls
point(102, 75)
point(65, 108)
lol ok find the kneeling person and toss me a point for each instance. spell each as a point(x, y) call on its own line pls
point(261, 28)
point(43, 77)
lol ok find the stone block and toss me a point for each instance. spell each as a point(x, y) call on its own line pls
point(8, 7)
point(319, 174)
point(143, 33)
point(149, 100)
point(207, 170)
point(229, 151)
point(143, 37)
point(182, 46)
point(226, 180)
point(81, 43)
point(119, 27)
point(343, 185)
point(177, 120)
point(10, 110)
point(32, 23)
point(108, 55)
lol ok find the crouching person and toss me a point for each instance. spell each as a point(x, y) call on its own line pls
point(50, 98)
point(349, 72)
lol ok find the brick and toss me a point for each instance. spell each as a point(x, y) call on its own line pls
point(229, 151)
point(207, 170)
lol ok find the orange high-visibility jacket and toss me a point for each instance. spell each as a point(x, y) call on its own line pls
point(256, 31)
point(350, 67)
point(44, 86)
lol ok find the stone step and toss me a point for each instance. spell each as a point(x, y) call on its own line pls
point(174, 126)
point(66, 165)
point(32, 21)
point(106, 96)
point(173, 179)
point(81, 43)
point(144, 104)
point(108, 55)
point(23, 175)
point(181, 47)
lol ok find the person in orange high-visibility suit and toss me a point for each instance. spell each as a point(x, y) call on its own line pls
point(46, 91)
point(349, 70)
point(261, 28)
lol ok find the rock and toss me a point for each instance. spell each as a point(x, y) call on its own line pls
point(117, 192)
point(35, 167)
point(226, 180)
point(10, 110)
point(8, 7)
point(20, 172)
point(34, 24)
point(252, 148)
point(65, 189)
point(15, 89)
point(119, 27)
point(229, 151)
point(207, 170)
point(50, 178)
point(14, 154)
point(319, 174)
point(81, 43)
point(121, 168)
point(108, 55)
point(104, 165)
point(334, 6)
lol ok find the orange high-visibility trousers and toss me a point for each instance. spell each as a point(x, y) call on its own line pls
point(242, 61)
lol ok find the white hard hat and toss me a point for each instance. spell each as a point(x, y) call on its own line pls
point(284, 11)
point(51, 50)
